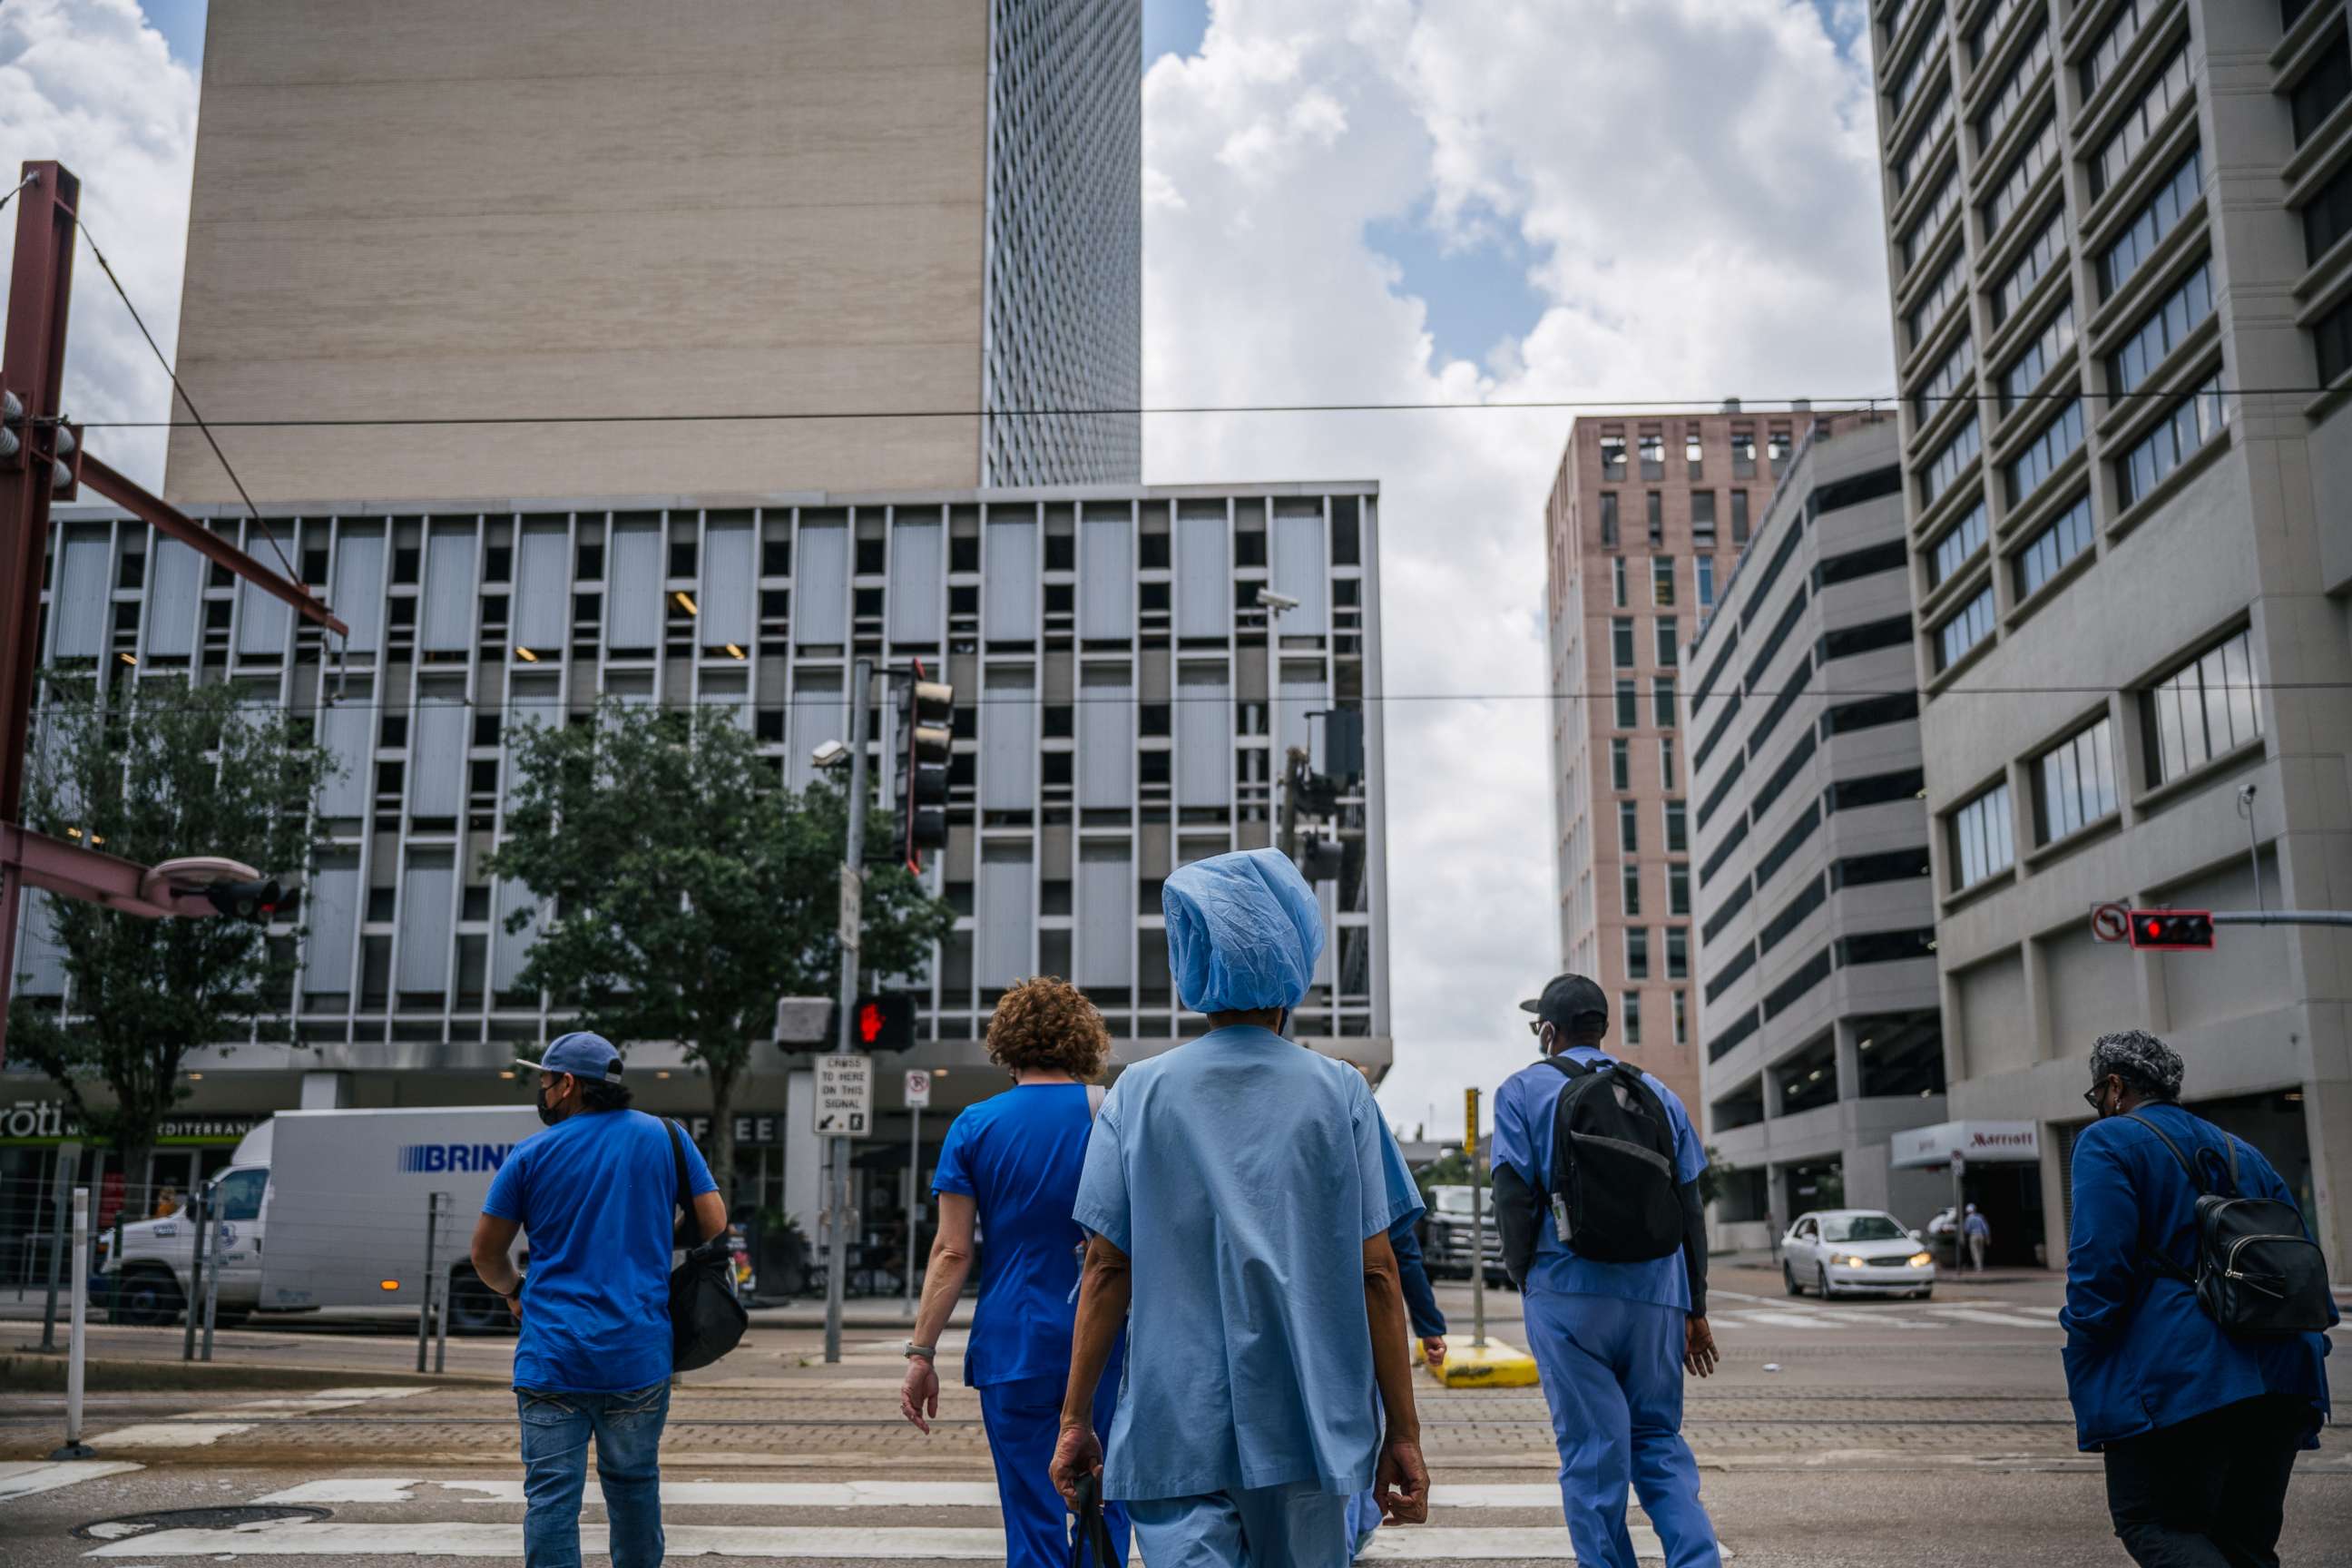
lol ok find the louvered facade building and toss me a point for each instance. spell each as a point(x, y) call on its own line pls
point(1123, 701)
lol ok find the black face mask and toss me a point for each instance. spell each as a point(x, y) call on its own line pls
point(547, 1113)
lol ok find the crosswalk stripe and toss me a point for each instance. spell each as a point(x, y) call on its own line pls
point(803, 1494)
point(23, 1479)
point(2004, 1320)
point(1417, 1544)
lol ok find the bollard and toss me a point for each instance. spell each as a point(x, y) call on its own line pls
point(200, 1210)
point(441, 1317)
point(424, 1303)
point(78, 1337)
point(68, 1157)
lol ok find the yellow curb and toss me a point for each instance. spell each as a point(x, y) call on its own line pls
point(1495, 1364)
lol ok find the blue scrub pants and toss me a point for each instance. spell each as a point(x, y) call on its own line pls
point(1022, 1420)
point(1293, 1526)
point(1613, 1373)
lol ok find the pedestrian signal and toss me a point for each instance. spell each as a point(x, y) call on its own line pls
point(2172, 930)
point(885, 1021)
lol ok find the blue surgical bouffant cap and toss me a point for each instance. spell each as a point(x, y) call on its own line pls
point(1244, 931)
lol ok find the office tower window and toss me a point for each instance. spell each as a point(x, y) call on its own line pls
point(2204, 709)
point(1693, 460)
point(1677, 886)
point(2322, 90)
point(1743, 451)
point(2113, 40)
point(2196, 419)
point(1955, 454)
point(1958, 545)
point(1681, 1017)
point(1612, 451)
point(1617, 582)
point(1620, 763)
point(1653, 453)
point(1925, 143)
point(2074, 782)
point(2165, 328)
point(1778, 444)
point(1629, 826)
point(1662, 582)
point(2327, 216)
point(1677, 952)
point(1637, 953)
point(1628, 710)
point(1933, 213)
point(2158, 216)
point(1632, 880)
point(1739, 517)
point(1924, 63)
point(1703, 571)
point(1669, 648)
point(2034, 263)
point(2169, 86)
point(1983, 843)
point(1609, 519)
point(1657, 518)
point(1967, 626)
point(2052, 444)
point(1950, 378)
point(2038, 152)
point(2006, 98)
point(1666, 779)
point(1628, 1018)
point(2037, 359)
point(1620, 642)
point(2067, 536)
point(2331, 340)
point(1921, 320)
point(1702, 519)
point(1662, 701)
point(1678, 830)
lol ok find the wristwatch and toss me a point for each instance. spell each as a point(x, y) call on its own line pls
point(927, 1353)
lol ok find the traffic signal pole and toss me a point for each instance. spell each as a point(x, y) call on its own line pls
point(853, 865)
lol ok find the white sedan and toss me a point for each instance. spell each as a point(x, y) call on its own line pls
point(1863, 1252)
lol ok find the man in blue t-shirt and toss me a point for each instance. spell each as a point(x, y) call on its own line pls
point(597, 1193)
point(1611, 1340)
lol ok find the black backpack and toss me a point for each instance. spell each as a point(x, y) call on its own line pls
point(1613, 1194)
point(705, 1318)
point(2259, 1273)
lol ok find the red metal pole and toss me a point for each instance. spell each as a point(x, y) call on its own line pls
point(33, 368)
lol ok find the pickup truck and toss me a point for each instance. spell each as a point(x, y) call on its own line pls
point(1446, 1248)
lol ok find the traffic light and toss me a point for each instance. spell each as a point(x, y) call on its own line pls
point(885, 1021)
point(2172, 930)
point(20, 443)
point(255, 901)
point(927, 738)
point(1321, 860)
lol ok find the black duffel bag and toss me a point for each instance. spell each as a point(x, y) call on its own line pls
point(705, 1318)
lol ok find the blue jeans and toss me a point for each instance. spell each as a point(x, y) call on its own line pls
point(627, 1427)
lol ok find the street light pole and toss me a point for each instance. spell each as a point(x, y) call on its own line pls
point(837, 1198)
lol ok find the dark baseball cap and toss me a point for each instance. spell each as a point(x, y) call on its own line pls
point(1565, 999)
point(580, 1054)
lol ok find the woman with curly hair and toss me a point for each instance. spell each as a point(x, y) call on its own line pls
point(1011, 1164)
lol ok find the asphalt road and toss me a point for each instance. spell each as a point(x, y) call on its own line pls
point(1845, 1433)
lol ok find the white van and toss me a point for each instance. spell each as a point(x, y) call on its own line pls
point(326, 1208)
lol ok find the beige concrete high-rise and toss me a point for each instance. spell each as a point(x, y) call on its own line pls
point(1646, 516)
point(2123, 302)
point(574, 208)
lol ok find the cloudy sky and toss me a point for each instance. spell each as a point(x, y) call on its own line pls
point(1345, 200)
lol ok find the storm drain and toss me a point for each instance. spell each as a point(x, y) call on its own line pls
point(232, 1517)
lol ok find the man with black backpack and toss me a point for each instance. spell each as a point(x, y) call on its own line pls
point(597, 1193)
point(2196, 1311)
point(1596, 1172)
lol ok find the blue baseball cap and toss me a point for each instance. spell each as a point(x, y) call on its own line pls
point(580, 1054)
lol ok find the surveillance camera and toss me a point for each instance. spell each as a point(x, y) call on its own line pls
point(1268, 599)
point(831, 754)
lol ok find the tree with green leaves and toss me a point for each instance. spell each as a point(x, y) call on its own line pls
point(688, 891)
point(153, 774)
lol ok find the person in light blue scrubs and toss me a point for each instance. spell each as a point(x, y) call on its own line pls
point(1428, 1326)
point(1611, 1341)
point(1239, 1191)
point(1012, 1163)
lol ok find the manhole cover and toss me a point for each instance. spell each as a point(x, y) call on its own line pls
point(132, 1524)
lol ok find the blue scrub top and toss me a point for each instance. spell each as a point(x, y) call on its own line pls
point(596, 1194)
point(1017, 1156)
point(1523, 1128)
point(2140, 1353)
point(1241, 1174)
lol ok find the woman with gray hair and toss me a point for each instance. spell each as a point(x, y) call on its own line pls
point(2198, 1426)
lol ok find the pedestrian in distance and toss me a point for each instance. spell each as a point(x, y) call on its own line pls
point(597, 1193)
point(1428, 1326)
point(2197, 1386)
point(1596, 1172)
point(1011, 1164)
point(1238, 1194)
point(1980, 1237)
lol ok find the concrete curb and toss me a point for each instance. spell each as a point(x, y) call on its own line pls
point(31, 1372)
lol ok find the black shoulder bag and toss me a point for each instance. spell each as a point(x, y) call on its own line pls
point(706, 1320)
point(2259, 1274)
point(1090, 1540)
